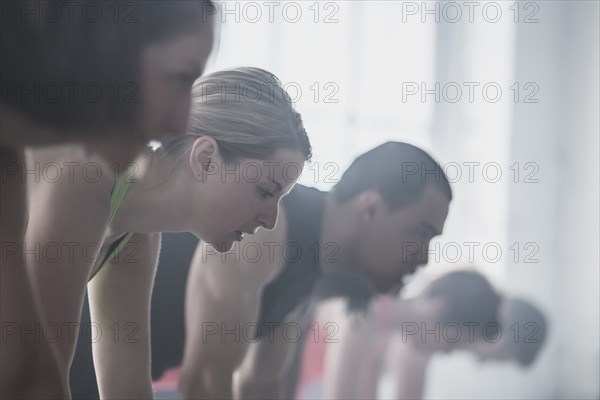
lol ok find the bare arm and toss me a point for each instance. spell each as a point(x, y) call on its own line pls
point(266, 370)
point(354, 367)
point(408, 368)
point(214, 304)
point(223, 293)
point(353, 363)
point(120, 307)
point(67, 224)
point(28, 368)
point(262, 372)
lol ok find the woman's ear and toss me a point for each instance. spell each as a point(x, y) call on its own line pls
point(204, 158)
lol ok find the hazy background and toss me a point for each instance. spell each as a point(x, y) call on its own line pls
point(505, 96)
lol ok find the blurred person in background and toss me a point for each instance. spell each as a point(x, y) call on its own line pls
point(524, 328)
point(151, 62)
point(451, 313)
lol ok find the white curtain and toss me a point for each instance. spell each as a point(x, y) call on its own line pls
point(550, 212)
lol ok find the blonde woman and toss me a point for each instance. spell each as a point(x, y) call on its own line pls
point(245, 150)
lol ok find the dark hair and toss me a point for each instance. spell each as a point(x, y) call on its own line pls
point(468, 297)
point(398, 171)
point(350, 286)
point(102, 49)
point(527, 316)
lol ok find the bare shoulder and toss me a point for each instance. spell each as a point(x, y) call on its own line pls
point(139, 257)
point(147, 245)
point(68, 189)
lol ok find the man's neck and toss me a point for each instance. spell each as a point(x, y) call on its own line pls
point(336, 242)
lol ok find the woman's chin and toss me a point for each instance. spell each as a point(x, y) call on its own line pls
point(221, 246)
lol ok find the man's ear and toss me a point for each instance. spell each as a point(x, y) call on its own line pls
point(369, 202)
point(204, 157)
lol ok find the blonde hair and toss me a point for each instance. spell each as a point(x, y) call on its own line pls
point(247, 112)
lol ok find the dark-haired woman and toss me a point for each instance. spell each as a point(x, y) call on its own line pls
point(103, 75)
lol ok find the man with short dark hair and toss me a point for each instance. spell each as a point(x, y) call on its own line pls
point(377, 222)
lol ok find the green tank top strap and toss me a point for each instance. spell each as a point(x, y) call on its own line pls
point(117, 195)
point(116, 198)
point(122, 243)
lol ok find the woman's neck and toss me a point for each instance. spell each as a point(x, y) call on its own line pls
point(154, 201)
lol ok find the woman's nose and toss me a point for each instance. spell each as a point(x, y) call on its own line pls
point(269, 217)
